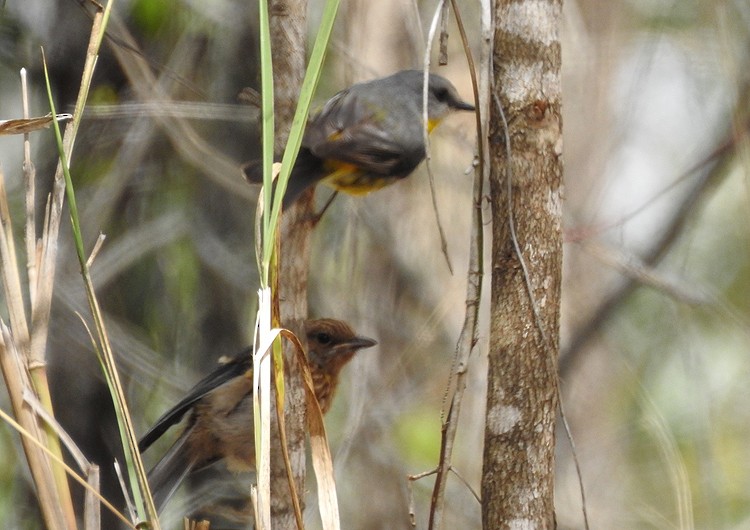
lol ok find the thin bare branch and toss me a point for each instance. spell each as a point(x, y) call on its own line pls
point(468, 338)
point(426, 137)
point(29, 175)
point(466, 483)
point(410, 479)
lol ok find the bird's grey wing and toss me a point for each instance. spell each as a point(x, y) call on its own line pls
point(354, 130)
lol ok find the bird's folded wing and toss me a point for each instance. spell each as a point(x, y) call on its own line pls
point(350, 130)
point(238, 366)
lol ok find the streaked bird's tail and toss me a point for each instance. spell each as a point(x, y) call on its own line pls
point(171, 471)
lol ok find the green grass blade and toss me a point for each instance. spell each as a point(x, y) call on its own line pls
point(267, 138)
point(310, 83)
point(136, 472)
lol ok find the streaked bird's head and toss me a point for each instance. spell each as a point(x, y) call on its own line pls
point(331, 344)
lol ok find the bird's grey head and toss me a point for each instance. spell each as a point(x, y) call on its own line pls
point(442, 96)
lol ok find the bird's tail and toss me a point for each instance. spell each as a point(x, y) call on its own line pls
point(307, 171)
point(167, 475)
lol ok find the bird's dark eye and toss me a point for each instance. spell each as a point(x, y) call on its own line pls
point(323, 337)
point(441, 93)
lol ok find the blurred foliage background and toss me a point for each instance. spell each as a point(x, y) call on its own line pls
point(654, 384)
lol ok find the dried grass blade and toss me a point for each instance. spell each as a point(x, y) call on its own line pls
point(26, 435)
point(320, 452)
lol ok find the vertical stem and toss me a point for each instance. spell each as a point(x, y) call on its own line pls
point(526, 193)
point(289, 34)
point(475, 276)
point(41, 302)
point(29, 174)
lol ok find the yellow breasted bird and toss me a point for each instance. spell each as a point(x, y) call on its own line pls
point(369, 135)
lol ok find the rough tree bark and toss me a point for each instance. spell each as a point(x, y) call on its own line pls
point(289, 37)
point(518, 472)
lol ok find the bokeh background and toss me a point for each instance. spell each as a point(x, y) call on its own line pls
point(655, 330)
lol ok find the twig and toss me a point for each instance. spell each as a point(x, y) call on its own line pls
point(29, 175)
point(194, 149)
point(468, 338)
point(410, 479)
point(95, 251)
point(466, 483)
point(632, 267)
point(426, 136)
point(576, 463)
point(443, 55)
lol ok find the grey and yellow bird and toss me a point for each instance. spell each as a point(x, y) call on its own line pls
point(369, 135)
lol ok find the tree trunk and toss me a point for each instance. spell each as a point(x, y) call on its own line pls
point(289, 37)
point(518, 468)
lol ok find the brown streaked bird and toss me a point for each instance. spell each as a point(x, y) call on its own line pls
point(369, 135)
point(220, 423)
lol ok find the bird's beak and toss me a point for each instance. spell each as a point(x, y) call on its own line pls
point(358, 343)
point(463, 105)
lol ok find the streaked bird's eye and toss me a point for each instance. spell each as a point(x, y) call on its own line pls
point(323, 338)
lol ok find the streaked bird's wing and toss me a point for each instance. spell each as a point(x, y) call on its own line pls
point(223, 373)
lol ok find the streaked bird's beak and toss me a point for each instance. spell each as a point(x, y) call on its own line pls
point(358, 343)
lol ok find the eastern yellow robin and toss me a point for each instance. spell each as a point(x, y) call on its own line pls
point(368, 135)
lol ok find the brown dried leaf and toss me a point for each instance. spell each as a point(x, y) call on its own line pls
point(23, 126)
